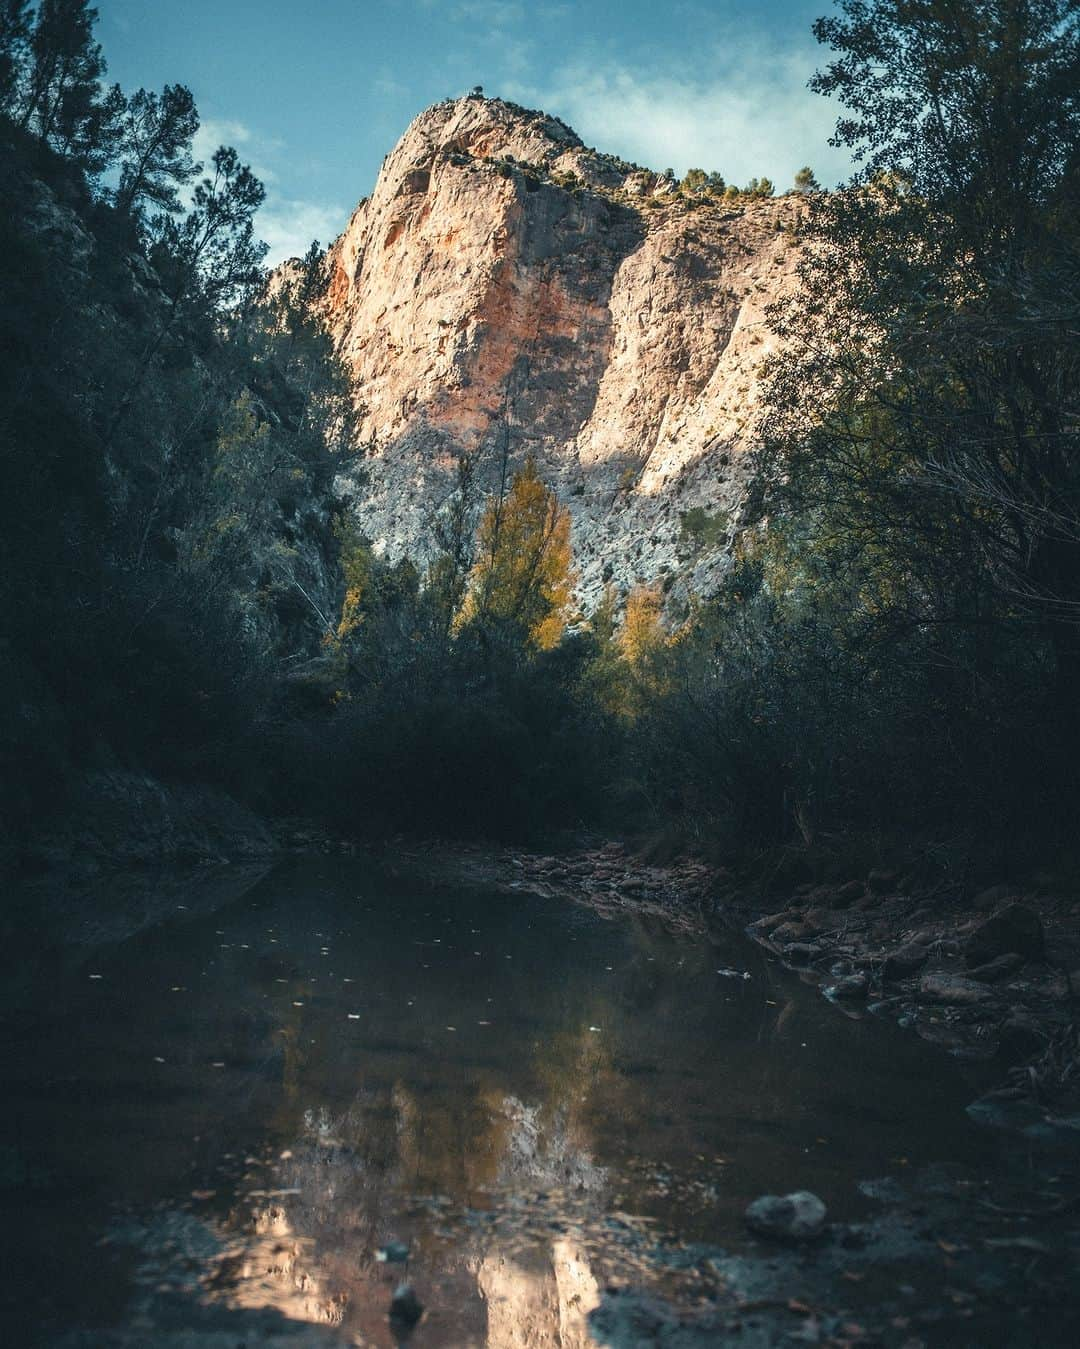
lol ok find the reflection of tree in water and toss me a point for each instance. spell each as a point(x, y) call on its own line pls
point(307, 1243)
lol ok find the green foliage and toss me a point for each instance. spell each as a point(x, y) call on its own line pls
point(895, 652)
point(805, 180)
point(697, 183)
point(60, 99)
point(165, 538)
point(702, 530)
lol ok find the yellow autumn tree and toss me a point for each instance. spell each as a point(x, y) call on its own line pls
point(642, 643)
point(642, 634)
point(523, 575)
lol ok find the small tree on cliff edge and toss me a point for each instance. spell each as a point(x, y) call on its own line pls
point(523, 577)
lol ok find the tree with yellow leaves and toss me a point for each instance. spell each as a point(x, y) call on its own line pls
point(523, 576)
point(642, 633)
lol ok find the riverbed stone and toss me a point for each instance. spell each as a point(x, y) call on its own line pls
point(953, 989)
point(1019, 1038)
point(905, 961)
point(405, 1307)
point(844, 895)
point(801, 952)
point(818, 920)
point(1014, 928)
point(850, 987)
point(994, 894)
point(799, 1216)
point(771, 921)
point(997, 969)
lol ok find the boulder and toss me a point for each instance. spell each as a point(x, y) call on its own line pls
point(791, 931)
point(987, 899)
point(790, 1217)
point(905, 961)
point(405, 1307)
point(1014, 928)
point(818, 920)
point(1019, 1038)
point(952, 989)
point(998, 968)
point(801, 952)
point(844, 895)
point(763, 926)
point(850, 987)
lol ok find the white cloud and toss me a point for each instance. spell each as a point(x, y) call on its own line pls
point(217, 131)
point(386, 84)
point(751, 119)
point(492, 13)
point(288, 226)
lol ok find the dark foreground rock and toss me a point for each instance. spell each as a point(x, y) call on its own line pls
point(939, 1261)
point(1015, 929)
point(904, 961)
point(790, 1217)
point(405, 1307)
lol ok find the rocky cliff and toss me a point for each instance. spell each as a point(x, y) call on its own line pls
point(505, 288)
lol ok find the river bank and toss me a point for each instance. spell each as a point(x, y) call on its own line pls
point(990, 977)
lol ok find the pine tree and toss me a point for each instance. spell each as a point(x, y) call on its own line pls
point(14, 48)
point(155, 149)
point(806, 181)
point(62, 101)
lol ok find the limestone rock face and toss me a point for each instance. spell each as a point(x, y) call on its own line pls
point(506, 290)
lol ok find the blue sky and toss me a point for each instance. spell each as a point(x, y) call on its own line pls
point(314, 94)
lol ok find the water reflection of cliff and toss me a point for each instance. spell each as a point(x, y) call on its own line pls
point(305, 1240)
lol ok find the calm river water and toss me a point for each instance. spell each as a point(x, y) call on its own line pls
point(211, 1127)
